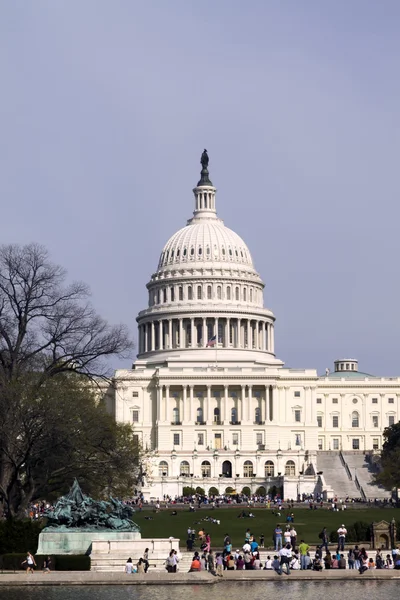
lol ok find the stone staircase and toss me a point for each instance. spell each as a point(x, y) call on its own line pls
point(360, 468)
point(336, 476)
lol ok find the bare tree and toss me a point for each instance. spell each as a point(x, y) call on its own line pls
point(47, 329)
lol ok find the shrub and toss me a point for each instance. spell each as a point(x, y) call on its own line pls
point(261, 491)
point(19, 535)
point(360, 531)
point(200, 491)
point(188, 491)
point(246, 491)
point(213, 491)
point(229, 490)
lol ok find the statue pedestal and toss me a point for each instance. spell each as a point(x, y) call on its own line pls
point(80, 541)
point(111, 555)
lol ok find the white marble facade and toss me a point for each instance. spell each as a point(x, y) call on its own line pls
point(208, 398)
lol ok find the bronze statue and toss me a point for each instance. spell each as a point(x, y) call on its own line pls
point(75, 510)
point(204, 160)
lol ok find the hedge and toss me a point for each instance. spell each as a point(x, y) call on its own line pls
point(59, 562)
point(19, 536)
point(360, 531)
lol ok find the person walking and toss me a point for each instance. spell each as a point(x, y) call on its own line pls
point(30, 563)
point(219, 565)
point(211, 562)
point(324, 539)
point(146, 560)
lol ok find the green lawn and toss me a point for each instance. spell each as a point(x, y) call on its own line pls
point(308, 523)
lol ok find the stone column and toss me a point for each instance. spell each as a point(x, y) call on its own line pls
point(161, 334)
point(266, 417)
point(193, 345)
point(216, 330)
point(191, 404)
point(184, 404)
point(180, 333)
point(168, 415)
point(204, 334)
point(207, 417)
point(272, 340)
point(248, 334)
point(224, 412)
point(228, 333)
point(170, 341)
point(241, 416)
point(159, 396)
point(249, 403)
point(153, 337)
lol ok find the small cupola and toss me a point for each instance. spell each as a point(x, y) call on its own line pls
point(346, 364)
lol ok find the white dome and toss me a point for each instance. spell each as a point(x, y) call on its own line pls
point(205, 241)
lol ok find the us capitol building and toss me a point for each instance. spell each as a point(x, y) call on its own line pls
point(212, 404)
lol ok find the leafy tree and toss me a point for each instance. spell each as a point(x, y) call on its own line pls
point(246, 491)
point(52, 345)
point(188, 491)
point(261, 491)
point(200, 491)
point(213, 491)
point(389, 474)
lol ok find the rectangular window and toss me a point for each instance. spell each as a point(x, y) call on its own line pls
point(135, 416)
point(297, 394)
point(177, 439)
point(356, 444)
point(391, 400)
point(335, 401)
point(335, 444)
point(375, 421)
point(320, 444)
point(335, 421)
point(374, 400)
point(391, 420)
point(319, 421)
point(319, 400)
point(375, 444)
point(259, 438)
point(235, 439)
point(218, 441)
point(200, 439)
point(297, 416)
point(298, 439)
point(135, 394)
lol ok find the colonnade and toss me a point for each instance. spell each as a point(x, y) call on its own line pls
point(210, 404)
point(198, 332)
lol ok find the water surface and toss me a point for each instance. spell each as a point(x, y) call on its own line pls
point(291, 590)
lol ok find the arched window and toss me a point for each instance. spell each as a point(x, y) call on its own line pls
point(233, 415)
point(251, 295)
point(200, 250)
point(190, 293)
point(205, 469)
point(175, 415)
point(219, 292)
point(237, 293)
point(290, 468)
point(163, 469)
point(192, 251)
point(245, 294)
point(257, 415)
point(184, 469)
point(199, 416)
point(180, 293)
point(209, 292)
point(355, 419)
point(216, 415)
point(199, 292)
point(172, 294)
point(248, 469)
point(228, 293)
point(269, 469)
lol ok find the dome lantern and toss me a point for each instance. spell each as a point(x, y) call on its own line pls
point(204, 192)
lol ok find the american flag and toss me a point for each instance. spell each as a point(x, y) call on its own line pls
point(212, 341)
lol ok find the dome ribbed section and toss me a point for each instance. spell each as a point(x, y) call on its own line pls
point(207, 241)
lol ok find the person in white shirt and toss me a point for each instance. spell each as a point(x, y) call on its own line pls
point(129, 566)
point(286, 556)
point(268, 564)
point(295, 563)
point(246, 547)
point(293, 537)
point(286, 537)
point(342, 532)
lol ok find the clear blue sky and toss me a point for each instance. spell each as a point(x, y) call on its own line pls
point(105, 108)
